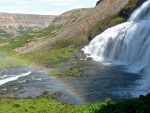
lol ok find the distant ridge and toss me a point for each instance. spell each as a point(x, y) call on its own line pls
point(14, 23)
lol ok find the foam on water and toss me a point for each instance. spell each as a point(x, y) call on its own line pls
point(126, 44)
point(13, 78)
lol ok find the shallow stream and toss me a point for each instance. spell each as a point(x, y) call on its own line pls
point(100, 81)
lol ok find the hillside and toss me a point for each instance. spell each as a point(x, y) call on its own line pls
point(60, 44)
point(70, 16)
point(69, 33)
point(60, 25)
point(78, 32)
point(15, 24)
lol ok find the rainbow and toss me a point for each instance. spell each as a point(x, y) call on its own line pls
point(9, 62)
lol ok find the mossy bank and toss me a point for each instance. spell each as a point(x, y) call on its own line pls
point(49, 105)
point(72, 71)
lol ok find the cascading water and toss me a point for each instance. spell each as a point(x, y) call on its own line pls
point(126, 44)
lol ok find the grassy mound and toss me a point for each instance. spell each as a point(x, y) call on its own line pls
point(73, 71)
point(49, 105)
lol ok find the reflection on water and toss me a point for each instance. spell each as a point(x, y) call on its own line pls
point(102, 81)
point(33, 85)
point(98, 82)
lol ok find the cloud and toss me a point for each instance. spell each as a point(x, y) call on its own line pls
point(59, 2)
point(22, 2)
point(51, 7)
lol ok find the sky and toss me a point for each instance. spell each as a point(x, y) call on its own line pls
point(43, 7)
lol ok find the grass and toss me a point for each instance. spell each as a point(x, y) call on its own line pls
point(22, 40)
point(48, 105)
point(36, 105)
point(73, 71)
point(50, 31)
point(48, 58)
point(8, 62)
point(50, 55)
point(5, 35)
point(58, 53)
point(21, 30)
point(16, 42)
point(122, 16)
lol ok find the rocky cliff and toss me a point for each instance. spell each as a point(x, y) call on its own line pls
point(76, 25)
point(65, 20)
point(15, 24)
point(77, 33)
point(70, 16)
point(69, 33)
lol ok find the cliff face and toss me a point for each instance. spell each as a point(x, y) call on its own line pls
point(77, 24)
point(15, 24)
point(65, 20)
point(80, 29)
point(75, 34)
point(70, 17)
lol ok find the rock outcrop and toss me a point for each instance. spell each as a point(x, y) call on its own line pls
point(70, 16)
point(77, 32)
point(98, 2)
point(16, 23)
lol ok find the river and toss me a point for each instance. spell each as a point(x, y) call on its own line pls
point(100, 81)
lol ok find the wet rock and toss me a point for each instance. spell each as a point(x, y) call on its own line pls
point(16, 105)
point(89, 59)
point(45, 93)
point(73, 63)
point(32, 107)
point(56, 95)
point(142, 97)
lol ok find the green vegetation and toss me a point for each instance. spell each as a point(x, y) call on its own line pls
point(16, 42)
point(110, 21)
point(11, 62)
point(48, 32)
point(49, 58)
point(55, 54)
point(46, 104)
point(23, 30)
point(22, 40)
point(4, 35)
point(73, 71)
point(36, 105)
point(51, 55)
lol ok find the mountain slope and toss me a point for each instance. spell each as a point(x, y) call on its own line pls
point(70, 32)
point(77, 33)
point(15, 24)
point(64, 22)
point(71, 16)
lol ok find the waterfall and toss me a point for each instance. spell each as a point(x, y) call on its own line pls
point(126, 44)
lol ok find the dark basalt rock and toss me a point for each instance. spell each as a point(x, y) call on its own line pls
point(89, 59)
point(54, 96)
point(98, 2)
point(142, 97)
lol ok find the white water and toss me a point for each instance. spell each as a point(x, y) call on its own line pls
point(13, 77)
point(126, 44)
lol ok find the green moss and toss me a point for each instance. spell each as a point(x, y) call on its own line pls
point(22, 40)
point(4, 34)
point(48, 32)
point(36, 105)
point(16, 42)
point(116, 20)
point(110, 21)
point(48, 105)
point(48, 57)
point(74, 71)
point(11, 62)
